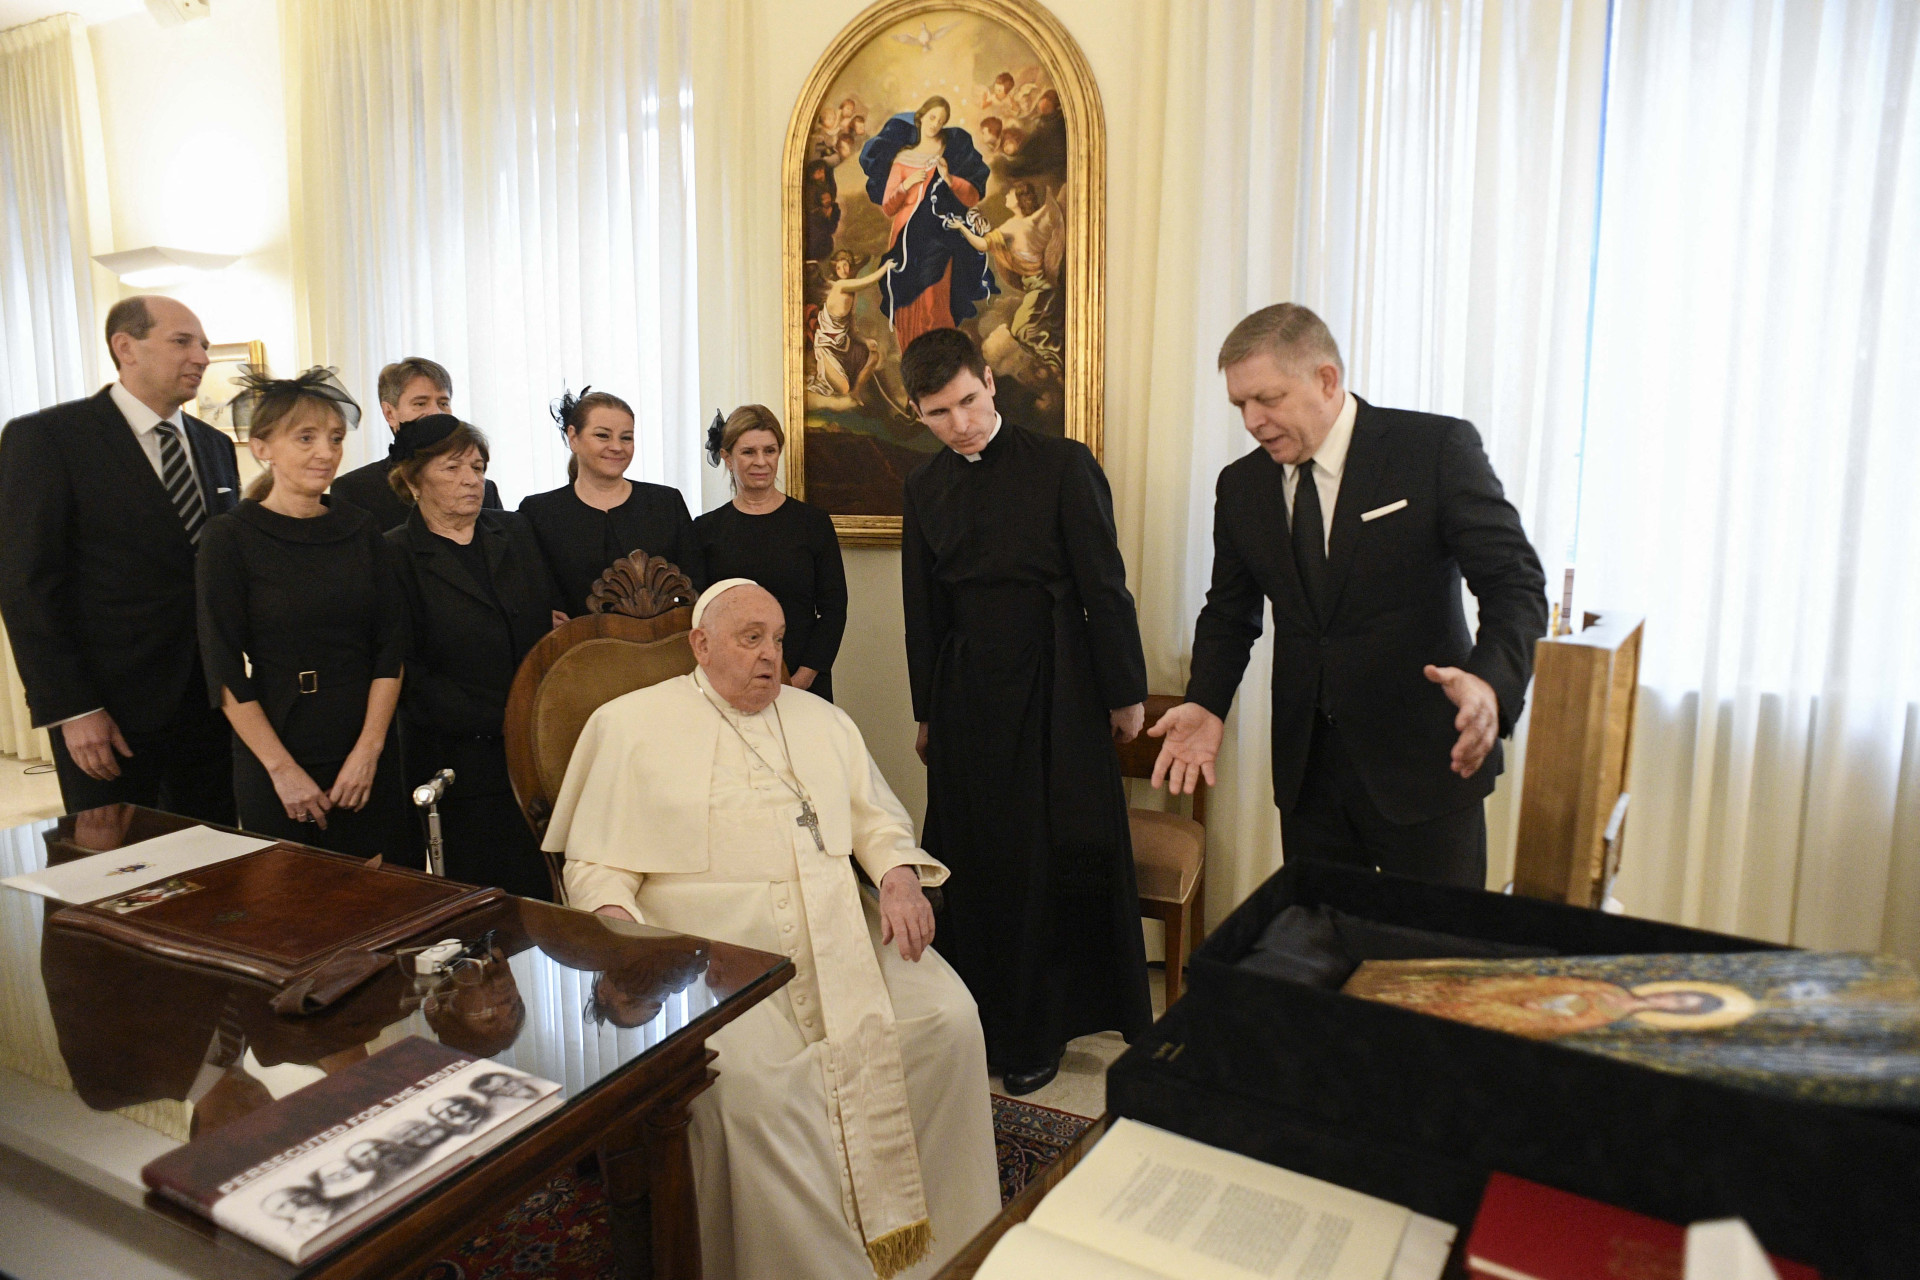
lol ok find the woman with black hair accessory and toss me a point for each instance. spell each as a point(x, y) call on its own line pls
point(600, 515)
point(303, 633)
point(479, 597)
point(779, 542)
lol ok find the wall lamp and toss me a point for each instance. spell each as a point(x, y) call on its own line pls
point(156, 267)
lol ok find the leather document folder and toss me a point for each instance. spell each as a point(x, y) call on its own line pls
point(276, 914)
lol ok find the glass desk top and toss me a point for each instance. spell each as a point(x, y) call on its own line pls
point(109, 1057)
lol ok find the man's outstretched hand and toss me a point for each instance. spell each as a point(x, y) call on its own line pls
point(1479, 718)
point(1193, 736)
point(906, 917)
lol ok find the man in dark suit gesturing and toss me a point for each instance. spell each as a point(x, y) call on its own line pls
point(1358, 523)
point(102, 502)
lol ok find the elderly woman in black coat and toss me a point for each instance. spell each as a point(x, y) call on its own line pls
point(479, 596)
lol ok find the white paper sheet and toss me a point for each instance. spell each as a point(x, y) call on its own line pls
point(134, 866)
point(1725, 1249)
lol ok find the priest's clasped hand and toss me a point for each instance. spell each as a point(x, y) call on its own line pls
point(906, 917)
point(1127, 721)
point(1193, 736)
point(1479, 718)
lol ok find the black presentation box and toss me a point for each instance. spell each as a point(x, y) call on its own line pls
point(1418, 1110)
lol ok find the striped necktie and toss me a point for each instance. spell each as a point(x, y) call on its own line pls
point(177, 476)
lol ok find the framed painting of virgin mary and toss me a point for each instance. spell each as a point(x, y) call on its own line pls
point(945, 168)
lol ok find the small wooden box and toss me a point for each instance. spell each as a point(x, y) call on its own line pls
point(1578, 746)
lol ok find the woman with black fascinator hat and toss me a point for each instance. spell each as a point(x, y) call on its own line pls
point(303, 633)
point(479, 597)
point(781, 543)
point(600, 515)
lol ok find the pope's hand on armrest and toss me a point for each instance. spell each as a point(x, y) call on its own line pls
point(603, 890)
point(906, 917)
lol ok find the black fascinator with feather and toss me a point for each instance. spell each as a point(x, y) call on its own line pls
point(263, 395)
point(715, 431)
point(566, 410)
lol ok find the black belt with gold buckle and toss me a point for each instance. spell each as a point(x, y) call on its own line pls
point(309, 682)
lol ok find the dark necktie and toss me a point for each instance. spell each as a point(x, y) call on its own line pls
point(177, 476)
point(1310, 539)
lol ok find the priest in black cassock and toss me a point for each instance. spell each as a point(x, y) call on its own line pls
point(1025, 658)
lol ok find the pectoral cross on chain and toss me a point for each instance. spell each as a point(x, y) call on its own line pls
point(811, 821)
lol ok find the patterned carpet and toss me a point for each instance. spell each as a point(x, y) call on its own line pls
point(560, 1231)
point(1028, 1138)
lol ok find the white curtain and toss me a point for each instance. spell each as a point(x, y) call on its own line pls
point(47, 350)
point(1752, 462)
point(1420, 172)
point(504, 186)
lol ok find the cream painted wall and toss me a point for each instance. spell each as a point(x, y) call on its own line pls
point(870, 679)
point(194, 124)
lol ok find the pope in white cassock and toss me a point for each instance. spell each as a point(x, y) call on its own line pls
point(850, 1131)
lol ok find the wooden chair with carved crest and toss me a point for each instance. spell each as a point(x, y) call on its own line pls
point(636, 635)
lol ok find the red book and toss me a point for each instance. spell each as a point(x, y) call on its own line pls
point(1529, 1232)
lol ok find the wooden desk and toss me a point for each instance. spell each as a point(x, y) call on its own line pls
point(90, 1027)
point(969, 1260)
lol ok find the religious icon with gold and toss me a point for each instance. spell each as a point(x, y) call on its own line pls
point(1822, 1026)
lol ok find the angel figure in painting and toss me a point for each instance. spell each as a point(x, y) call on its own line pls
point(919, 171)
point(839, 376)
point(997, 98)
point(1028, 249)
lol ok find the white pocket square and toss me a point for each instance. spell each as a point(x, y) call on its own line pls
point(1377, 512)
point(223, 489)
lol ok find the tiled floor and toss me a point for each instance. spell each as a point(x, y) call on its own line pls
point(1081, 1086)
point(25, 796)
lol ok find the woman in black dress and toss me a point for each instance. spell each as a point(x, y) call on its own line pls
point(600, 515)
point(306, 594)
point(479, 597)
point(781, 543)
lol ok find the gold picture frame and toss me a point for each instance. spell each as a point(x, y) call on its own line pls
point(1038, 261)
point(211, 403)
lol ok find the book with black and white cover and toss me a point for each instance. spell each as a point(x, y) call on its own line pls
point(303, 1173)
point(1146, 1204)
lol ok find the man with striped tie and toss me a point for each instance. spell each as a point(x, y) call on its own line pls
point(102, 502)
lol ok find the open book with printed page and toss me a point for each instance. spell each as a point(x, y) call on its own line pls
point(305, 1172)
point(1146, 1204)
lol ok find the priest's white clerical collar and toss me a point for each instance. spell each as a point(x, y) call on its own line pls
point(975, 455)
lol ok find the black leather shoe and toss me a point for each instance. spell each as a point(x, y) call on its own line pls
point(1020, 1083)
